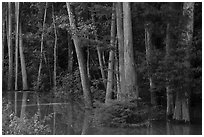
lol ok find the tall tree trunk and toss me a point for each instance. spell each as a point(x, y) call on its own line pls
point(10, 53)
point(109, 88)
point(3, 40)
point(81, 61)
point(120, 37)
point(16, 51)
point(183, 99)
point(149, 51)
point(129, 64)
point(99, 55)
point(117, 76)
point(169, 92)
point(55, 70)
point(41, 60)
point(55, 51)
point(24, 73)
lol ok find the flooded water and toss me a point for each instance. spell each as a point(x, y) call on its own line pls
point(70, 119)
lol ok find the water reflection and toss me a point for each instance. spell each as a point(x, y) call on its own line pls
point(87, 122)
point(71, 119)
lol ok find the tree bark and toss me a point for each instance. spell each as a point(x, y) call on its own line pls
point(16, 52)
point(55, 51)
point(186, 38)
point(81, 61)
point(120, 36)
point(109, 87)
point(130, 72)
point(3, 39)
point(87, 63)
point(10, 53)
point(149, 51)
point(24, 73)
point(169, 92)
point(41, 59)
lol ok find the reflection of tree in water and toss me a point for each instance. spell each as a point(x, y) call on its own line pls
point(87, 122)
point(69, 118)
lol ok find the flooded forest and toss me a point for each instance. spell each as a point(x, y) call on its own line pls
point(101, 68)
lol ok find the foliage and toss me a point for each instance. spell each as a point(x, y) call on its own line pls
point(13, 125)
point(122, 114)
point(69, 86)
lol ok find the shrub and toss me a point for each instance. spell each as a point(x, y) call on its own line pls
point(13, 125)
point(122, 114)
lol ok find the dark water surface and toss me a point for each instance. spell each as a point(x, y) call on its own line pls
point(70, 119)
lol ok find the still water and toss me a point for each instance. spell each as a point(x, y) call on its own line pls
point(71, 119)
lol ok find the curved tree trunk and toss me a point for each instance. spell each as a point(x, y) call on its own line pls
point(81, 61)
point(130, 70)
point(109, 88)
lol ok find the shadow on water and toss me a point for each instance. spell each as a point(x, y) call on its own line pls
point(71, 119)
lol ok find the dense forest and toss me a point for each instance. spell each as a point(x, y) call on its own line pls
point(124, 63)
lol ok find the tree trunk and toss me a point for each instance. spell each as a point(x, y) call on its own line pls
point(24, 73)
point(186, 38)
point(117, 77)
point(87, 63)
point(169, 92)
point(10, 53)
point(16, 51)
point(55, 70)
point(81, 61)
point(3, 41)
point(129, 64)
point(109, 88)
point(55, 51)
point(120, 37)
point(41, 59)
point(149, 51)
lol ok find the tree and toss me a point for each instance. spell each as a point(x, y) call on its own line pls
point(24, 73)
point(130, 72)
point(181, 111)
point(109, 87)
point(119, 19)
point(169, 91)
point(16, 51)
point(149, 55)
point(80, 58)
point(55, 51)
point(10, 52)
point(41, 58)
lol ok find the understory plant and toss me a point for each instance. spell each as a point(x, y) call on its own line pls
point(13, 125)
point(122, 114)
